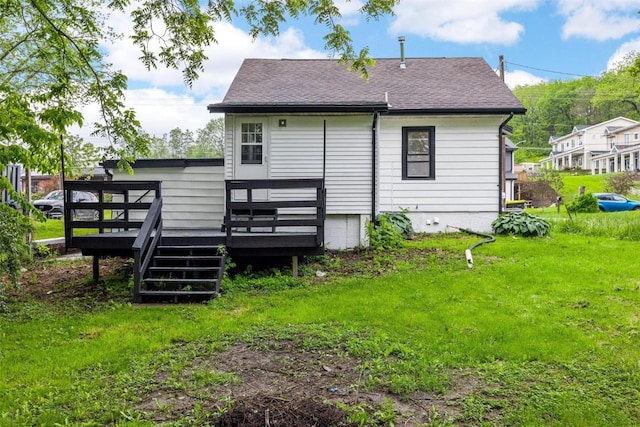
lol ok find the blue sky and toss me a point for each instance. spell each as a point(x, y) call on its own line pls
point(541, 40)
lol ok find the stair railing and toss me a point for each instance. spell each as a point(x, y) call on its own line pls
point(145, 245)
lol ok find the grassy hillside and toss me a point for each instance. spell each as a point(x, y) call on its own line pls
point(592, 184)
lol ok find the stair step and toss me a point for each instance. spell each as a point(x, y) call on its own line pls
point(172, 293)
point(185, 247)
point(181, 268)
point(172, 280)
point(188, 257)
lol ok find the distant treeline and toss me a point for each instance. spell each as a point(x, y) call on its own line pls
point(553, 108)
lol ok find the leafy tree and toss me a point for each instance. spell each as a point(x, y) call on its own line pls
point(52, 63)
point(618, 91)
point(621, 183)
point(209, 140)
point(551, 177)
point(179, 142)
point(158, 148)
point(209, 143)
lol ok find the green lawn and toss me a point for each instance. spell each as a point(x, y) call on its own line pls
point(592, 184)
point(545, 332)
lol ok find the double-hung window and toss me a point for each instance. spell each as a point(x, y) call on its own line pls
point(251, 143)
point(418, 152)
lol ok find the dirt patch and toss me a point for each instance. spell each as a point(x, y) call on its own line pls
point(278, 384)
point(71, 277)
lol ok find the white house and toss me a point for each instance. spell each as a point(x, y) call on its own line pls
point(623, 154)
point(576, 149)
point(422, 135)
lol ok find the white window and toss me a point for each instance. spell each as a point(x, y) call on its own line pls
point(251, 143)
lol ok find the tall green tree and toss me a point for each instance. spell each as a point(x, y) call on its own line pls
point(52, 63)
point(209, 140)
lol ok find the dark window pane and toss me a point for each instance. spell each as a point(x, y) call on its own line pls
point(418, 169)
point(418, 142)
point(251, 154)
point(418, 147)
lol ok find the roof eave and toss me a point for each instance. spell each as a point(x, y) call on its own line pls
point(457, 111)
point(293, 108)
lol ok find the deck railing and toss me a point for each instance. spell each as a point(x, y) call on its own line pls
point(145, 245)
point(249, 208)
point(114, 209)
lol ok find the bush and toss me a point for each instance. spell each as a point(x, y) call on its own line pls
point(584, 203)
point(521, 224)
point(383, 234)
point(13, 247)
point(400, 221)
point(540, 193)
point(621, 183)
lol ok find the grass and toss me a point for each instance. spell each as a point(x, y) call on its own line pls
point(592, 184)
point(54, 228)
point(546, 328)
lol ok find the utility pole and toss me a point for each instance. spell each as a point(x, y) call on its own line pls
point(503, 147)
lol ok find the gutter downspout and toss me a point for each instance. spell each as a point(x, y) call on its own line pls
point(501, 155)
point(374, 129)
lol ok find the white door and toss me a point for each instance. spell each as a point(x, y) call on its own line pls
point(251, 153)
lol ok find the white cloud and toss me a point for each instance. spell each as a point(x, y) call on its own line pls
point(630, 47)
point(599, 20)
point(461, 21)
point(162, 101)
point(349, 8)
point(521, 78)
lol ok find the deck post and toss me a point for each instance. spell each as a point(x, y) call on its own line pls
point(294, 265)
point(96, 268)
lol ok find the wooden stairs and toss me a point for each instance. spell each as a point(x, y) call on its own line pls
point(182, 273)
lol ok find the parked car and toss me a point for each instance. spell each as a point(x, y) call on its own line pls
point(52, 205)
point(612, 202)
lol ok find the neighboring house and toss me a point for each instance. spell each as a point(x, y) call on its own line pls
point(422, 135)
point(624, 153)
point(576, 149)
point(509, 172)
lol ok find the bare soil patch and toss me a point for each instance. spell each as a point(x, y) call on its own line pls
point(279, 384)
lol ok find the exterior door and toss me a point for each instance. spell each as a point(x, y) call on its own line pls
point(251, 152)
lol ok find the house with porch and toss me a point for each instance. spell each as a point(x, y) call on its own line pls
point(576, 149)
point(312, 152)
point(624, 153)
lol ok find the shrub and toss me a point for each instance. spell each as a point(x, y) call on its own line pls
point(540, 193)
point(383, 234)
point(619, 183)
point(400, 221)
point(13, 247)
point(584, 203)
point(521, 224)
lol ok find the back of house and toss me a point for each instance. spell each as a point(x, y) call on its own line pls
point(423, 135)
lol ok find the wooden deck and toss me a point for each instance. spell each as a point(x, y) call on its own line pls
point(128, 222)
point(246, 231)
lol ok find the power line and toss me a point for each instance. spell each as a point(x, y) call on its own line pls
point(549, 71)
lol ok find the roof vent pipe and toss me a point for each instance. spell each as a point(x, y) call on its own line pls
point(402, 63)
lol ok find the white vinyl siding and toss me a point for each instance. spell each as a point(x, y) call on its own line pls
point(192, 197)
point(296, 151)
point(229, 126)
point(466, 166)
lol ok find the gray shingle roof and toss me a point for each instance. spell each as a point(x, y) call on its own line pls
point(428, 85)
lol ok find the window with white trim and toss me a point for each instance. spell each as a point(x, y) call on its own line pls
point(418, 152)
point(251, 144)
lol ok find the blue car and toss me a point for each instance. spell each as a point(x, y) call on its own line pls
point(612, 202)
